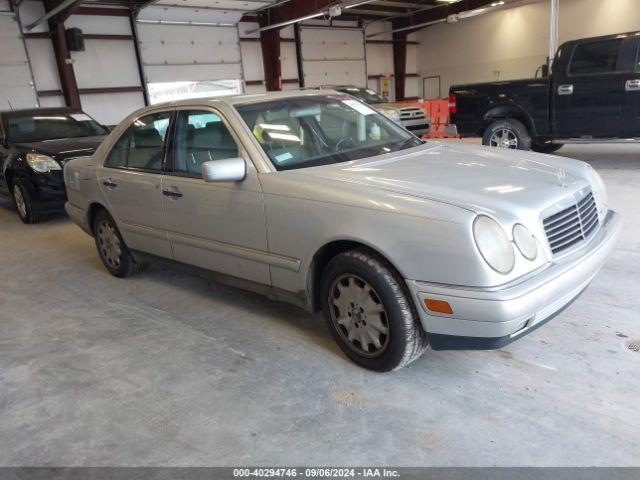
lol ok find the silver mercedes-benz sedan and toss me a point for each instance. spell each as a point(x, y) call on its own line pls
point(317, 199)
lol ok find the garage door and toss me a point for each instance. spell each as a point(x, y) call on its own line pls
point(196, 58)
point(16, 82)
point(333, 56)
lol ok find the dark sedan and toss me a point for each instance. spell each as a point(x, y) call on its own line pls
point(34, 146)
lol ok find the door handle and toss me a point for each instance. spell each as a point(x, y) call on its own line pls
point(172, 192)
point(110, 183)
point(565, 89)
point(632, 85)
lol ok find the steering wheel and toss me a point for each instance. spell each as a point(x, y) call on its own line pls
point(342, 141)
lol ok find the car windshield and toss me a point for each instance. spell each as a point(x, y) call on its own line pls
point(317, 130)
point(50, 126)
point(364, 94)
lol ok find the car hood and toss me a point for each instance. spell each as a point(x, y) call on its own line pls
point(65, 148)
point(398, 107)
point(481, 179)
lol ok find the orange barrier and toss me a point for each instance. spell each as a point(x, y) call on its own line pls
point(438, 112)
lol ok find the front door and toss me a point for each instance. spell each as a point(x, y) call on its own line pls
point(216, 226)
point(590, 94)
point(131, 180)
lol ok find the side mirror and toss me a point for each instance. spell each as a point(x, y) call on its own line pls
point(228, 170)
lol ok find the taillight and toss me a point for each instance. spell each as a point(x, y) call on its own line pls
point(453, 105)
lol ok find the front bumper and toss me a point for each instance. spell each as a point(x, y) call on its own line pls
point(418, 127)
point(493, 317)
point(46, 191)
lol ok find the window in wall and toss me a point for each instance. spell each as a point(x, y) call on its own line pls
point(595, 57)
point(201, 137)
point(170, 91)
point(142, 145)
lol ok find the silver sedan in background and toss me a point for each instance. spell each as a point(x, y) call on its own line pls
point(317, 199)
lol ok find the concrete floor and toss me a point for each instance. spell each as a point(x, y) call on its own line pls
point(165, 369)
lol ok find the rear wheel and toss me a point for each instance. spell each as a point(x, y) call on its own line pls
point(369, 312)
point(507, 133)
point(23, 203)
point(114, 253)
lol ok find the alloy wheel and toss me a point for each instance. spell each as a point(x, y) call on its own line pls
point(504, 138)
point(109, 243)
point(21, 204)
point(359, 315)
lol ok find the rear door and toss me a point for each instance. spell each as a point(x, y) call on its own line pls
point(131, 180)
point(590, 94)
point(631, 115)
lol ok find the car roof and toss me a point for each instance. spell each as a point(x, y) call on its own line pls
point(38, 111)
point(246, 99)
point(600, 38)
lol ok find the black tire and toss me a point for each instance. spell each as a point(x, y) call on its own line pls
point(545, 147)
point(23, 204)
point(405, 340)
point(514, 128)
point(114, 253)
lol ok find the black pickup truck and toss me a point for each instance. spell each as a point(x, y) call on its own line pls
point(592, 94)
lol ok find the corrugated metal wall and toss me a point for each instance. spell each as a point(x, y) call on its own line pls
point(178, 52)
point(16, 83)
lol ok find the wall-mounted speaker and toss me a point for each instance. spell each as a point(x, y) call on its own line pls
point(75, 39)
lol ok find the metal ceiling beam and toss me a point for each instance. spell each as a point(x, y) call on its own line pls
point(391, 3)
point(297, 11)
point(436, 15)
point(423, 8)
point(162, 3)
point(58, 10)
point(378, 13)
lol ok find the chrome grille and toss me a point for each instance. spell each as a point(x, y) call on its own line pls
point(572, 225)
point(411, 114)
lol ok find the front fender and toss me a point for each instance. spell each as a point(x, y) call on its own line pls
point(436, 248)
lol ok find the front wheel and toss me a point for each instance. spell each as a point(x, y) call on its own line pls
point(114, 253)
point(23, 203)
point(369, 312)
point(507, 133)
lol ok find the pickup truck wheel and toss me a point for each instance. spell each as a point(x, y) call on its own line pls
point(545, 147)
point(507, 133)
point(369, 312)
point(114, 253)
point(23, 204)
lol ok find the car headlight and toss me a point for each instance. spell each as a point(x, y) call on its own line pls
point(599, 191)
point(391, 114)
point(42, 163)
point(525, 241)
point(493, 244)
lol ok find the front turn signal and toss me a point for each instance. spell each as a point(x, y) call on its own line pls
point(438, 306)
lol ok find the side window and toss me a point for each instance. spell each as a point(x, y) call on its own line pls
point(118, 155)
point(595, 57)
point(146, 148)
point(142, 145)
point(200, 137)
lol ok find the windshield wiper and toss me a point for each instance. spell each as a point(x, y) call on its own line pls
point(408, 143)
